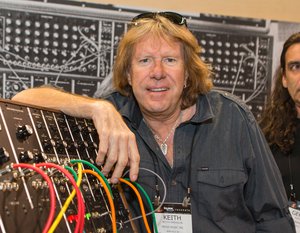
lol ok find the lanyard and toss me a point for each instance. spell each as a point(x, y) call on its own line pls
point(187, 199)
point(292, 191)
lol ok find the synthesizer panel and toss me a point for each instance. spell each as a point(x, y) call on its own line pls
point(60, 45)
point(73, 45)
point(30, 135)
point(241, 65)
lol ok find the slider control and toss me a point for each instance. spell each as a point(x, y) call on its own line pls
point(4, 155)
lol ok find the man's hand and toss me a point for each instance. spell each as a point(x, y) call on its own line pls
point(117, 147)
point(117, 144)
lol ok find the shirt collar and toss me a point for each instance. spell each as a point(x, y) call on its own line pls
point(132, 112)
point(204, 110)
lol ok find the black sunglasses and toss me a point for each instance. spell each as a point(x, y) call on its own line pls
point(172, 16)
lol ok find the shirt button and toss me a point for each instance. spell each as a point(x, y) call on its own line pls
point(173, 182)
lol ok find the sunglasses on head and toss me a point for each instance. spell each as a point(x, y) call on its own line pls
point(172, 16)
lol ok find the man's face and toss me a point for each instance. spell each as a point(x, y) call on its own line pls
point(157, 75)
point(291, 78)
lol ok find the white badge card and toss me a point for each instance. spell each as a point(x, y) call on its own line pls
point(174, 218)
point(296, 217)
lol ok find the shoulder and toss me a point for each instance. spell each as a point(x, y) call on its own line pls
point(117, 99)
point(229, 103)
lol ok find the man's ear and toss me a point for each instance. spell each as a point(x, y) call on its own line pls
point(284, 81)
point(129, 78)
point(185, 79)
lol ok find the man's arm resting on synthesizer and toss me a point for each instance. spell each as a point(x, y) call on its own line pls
point(117, 142)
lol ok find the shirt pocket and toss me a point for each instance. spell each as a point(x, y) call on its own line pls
point(220, 193)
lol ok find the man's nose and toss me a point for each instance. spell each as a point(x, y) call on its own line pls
point(158, 70)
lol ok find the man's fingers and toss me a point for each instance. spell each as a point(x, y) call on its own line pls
point(134, 159)
point(111, 157)
point(122, 158)
point(117, 149)
point(118, 171)
point(103, 148)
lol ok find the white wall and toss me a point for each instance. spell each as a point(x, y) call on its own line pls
point(288, 10)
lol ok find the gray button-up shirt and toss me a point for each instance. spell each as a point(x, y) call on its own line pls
point(222, 155)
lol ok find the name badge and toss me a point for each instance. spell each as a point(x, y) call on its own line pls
point(174, 218)
point(296, 217)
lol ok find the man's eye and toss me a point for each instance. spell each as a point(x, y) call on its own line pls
point(170, 60)
point(293, 66)
point(144, 60)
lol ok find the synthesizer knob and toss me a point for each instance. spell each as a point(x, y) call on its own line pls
point(7, 39)
point(55, 35)
point(61, 145)
point(26, 48)
point(72, 145)
point(56, 26)
point(18, 31)
point(36, 50)
point(40, 157)
point(54, 52)
point(24, 131)
point(66, 27)
point(18, 22)
point(92, 145)
point(84, 130)
point(17, 48)
point(28, 23)
point(37, 33)
point(82, 145)
point(37, 24)
point(8, 21)
point(18, 40)
point(46, 25)
point(8, 30)
point(26, 156)
point(4, 156)
point(55, 43)
point(46, 34)
point(76, 129)
point(48, 144)
point(46, 43)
